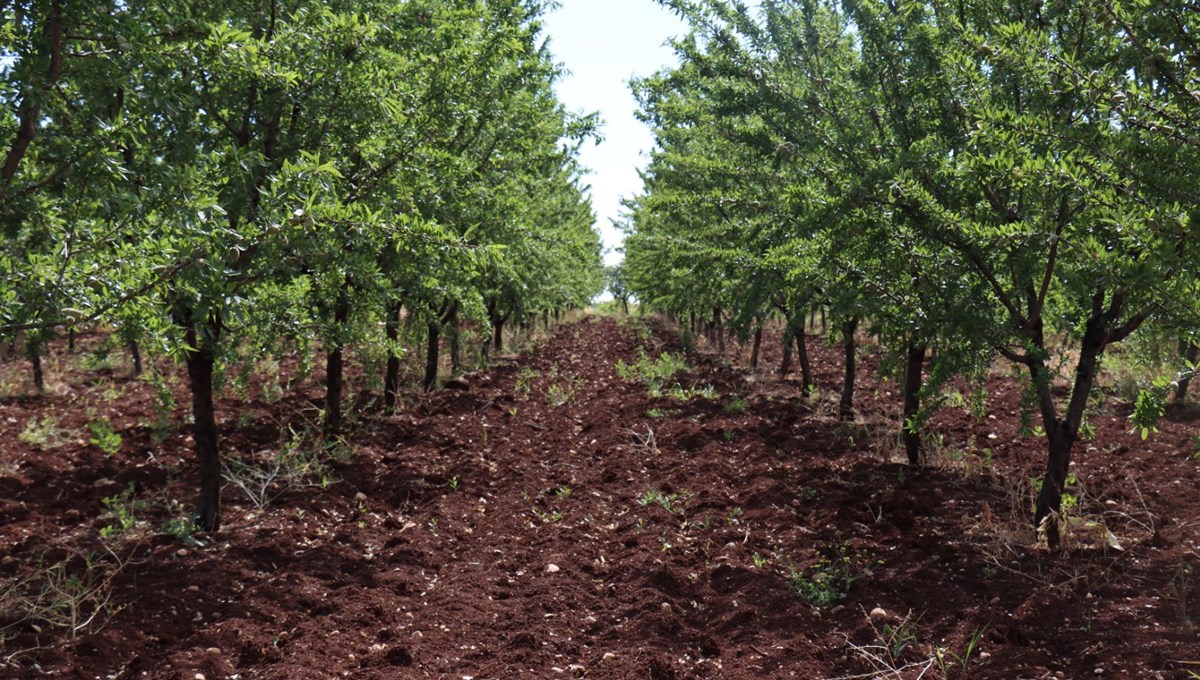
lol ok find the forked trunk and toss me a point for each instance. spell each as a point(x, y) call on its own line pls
point(1062, 433)
point(913, 380)
point(200, 360)
point(846, 405)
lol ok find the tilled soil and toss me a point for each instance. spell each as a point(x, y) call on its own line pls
point(556, 520)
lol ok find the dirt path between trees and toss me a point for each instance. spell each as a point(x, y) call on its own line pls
point(556, 520)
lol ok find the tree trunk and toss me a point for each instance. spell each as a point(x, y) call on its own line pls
point(785, 366)
point(431, 356)
point(391, 381)
point(333, 373)
point(846, 405)
point(70, 341)
point(136, 353)
point(913, 380)
point(498, 333)
point(200, 362)
point(719, 330)
point(452, 336)
point(758, 330)
point(625, 305)
point(1062, 433)
point(806, 375)
point(35, 359)
point(1190, 352)
point(29, 113)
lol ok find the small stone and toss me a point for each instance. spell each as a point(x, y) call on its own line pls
point(666, 607)
point(215, 651)
point(878, 614)
point(182, 552)
point(193, 589)
point(994, 601)
point(839, 608)
point(8, 561)
point(198, 617)
point(984, 655)
point(1099, 671)
point(459, 383)
point(360, 497)
point(608, 656)
point(198, 676)
point(552, 568)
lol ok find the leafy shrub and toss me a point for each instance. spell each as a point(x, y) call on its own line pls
point(829, 578)
point(104, 437)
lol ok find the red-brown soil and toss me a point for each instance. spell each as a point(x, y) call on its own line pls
point(487, 533)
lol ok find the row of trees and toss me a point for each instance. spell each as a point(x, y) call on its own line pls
point(982, 178)
point(201, 176)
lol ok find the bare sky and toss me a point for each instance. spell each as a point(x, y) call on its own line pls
point(604, 43)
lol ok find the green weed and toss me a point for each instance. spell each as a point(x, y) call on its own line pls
point(738, 405)
point(121, 511)
point(44, 433)
point(104, 437)
point(829, 579)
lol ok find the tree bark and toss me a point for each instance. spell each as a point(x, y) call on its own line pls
point(431, 356)
point(913, 380)
point(200, 359)
point(391, 380)
point(758, 331)
point(846, 405)
point(334, 371)
point(1061, 434)
point(785, 366)
point(1190, 352)
point(806, 376)
point(135, 352)
point(719, 329)
point(35, 360)
point(453, 336)
point(30, 111)
point(498, 333)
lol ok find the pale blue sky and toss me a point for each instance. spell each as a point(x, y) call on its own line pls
point(604, 43)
